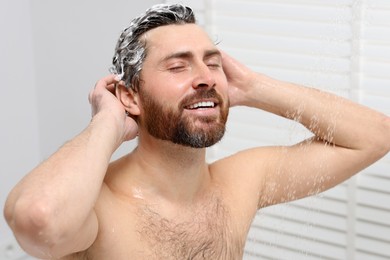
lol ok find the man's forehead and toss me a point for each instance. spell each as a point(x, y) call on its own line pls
point(174, 41)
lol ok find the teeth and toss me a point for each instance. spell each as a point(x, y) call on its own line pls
point(202, 104)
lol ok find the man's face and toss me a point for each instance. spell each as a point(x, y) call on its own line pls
point(184, 90)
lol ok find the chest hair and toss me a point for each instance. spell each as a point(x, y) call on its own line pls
point(204, 234)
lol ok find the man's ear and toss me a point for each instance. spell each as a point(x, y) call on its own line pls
point(128, 98)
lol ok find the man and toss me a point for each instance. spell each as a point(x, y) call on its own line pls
point(162, 200)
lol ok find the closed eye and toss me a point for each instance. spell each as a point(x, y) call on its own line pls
point(177, 66)
point(176, 69)
point(214, 61)
point(214, 65)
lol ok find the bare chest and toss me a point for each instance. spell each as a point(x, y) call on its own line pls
point(206, 232)
point(203, 234)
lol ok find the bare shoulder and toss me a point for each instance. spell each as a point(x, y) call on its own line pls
point(250, 158)
point(247, 164)
point(243, 174)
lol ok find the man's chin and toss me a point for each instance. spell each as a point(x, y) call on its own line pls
point(202, 139)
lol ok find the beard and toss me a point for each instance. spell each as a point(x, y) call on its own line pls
point(170, 124)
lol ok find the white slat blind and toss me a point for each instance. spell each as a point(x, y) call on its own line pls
point(342, 46)
point(372, 238)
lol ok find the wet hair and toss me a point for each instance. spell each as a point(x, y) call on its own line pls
point(130, 51)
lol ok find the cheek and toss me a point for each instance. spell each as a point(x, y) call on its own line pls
point(222, 84)
point(166, 91)
point(173, 87)
point(179, 80)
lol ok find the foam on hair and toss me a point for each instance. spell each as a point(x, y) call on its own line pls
point(130, 51)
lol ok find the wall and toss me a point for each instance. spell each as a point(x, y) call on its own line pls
point(18, 103)
point(74, 43)
point(52, 53)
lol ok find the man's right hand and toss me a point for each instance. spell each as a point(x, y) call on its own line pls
point(103, 101)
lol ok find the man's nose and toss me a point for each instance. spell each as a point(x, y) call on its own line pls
point(203, 77)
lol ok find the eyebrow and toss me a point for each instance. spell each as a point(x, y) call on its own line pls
point(189, 54)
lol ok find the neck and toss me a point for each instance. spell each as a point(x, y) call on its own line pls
point(169, 171)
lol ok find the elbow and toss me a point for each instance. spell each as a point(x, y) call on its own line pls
point(32, 225)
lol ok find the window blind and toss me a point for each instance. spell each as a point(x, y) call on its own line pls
point(372, 218)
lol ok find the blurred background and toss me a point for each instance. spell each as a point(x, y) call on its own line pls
point(53, 51)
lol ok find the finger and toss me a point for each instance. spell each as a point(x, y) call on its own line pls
point(107, 81)
point(111, 88)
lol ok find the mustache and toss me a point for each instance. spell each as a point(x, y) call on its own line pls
point(201, 94)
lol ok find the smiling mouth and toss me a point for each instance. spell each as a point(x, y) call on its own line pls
point(203, 104)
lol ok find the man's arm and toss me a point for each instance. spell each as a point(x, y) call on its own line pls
point(347, 136)
point(51, 210)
